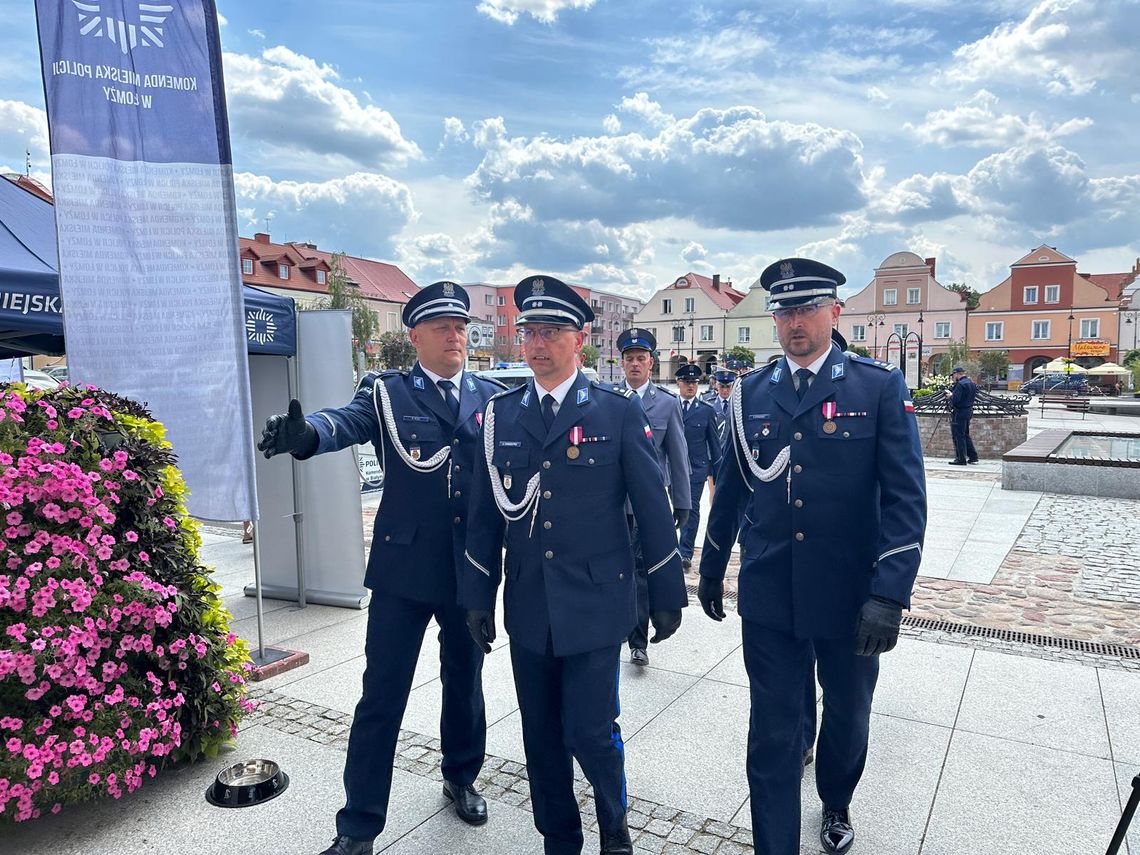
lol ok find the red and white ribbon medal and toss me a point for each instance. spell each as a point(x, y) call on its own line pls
point(829, 410)
point(575, 438)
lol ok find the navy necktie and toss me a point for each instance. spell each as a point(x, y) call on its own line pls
point(685, 409)
point(548, 410)
point(803, 376)
point(446, 386)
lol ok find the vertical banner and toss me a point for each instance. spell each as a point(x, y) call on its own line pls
point(148, 248)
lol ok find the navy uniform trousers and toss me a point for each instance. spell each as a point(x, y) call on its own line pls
point(417, 541)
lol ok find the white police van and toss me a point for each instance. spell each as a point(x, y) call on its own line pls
point(517, 373)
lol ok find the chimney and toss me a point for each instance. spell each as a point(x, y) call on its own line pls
point(261, 237)
point(716, 281)
point(930, 264)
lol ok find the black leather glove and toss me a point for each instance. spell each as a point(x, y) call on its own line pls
point(665, 623)
point(710, 592)
point(680, 517)
point(481, 625)
point(877, 629)
point(289, 433)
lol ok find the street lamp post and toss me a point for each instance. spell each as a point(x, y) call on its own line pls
point(920, 350)
point(1069, 349)
point(875, 319)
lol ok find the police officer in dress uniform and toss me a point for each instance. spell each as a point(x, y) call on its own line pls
point(664, 413)
point(703, 443)
point(825, 470)
point(718, 400)
point(560, 457)
point(962, 395)
point(425, 426)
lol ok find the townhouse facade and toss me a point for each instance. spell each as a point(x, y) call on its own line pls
point(1045, 310)
point(902, 309)
point(689, 318)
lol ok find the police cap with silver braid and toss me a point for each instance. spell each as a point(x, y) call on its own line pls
point(546, 300)
point(799, 281)
point(439, 300)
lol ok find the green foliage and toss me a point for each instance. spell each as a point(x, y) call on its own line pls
point(862, 351)
point(396, 350)
point(972, 296)
point(923, 392)
point(343, 294)
point(992, 364)
point(741, 353)
point(1131, 359)
point(590, 355)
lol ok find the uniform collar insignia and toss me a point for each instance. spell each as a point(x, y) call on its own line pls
point(583, 396)
point(525, 402)
point(838, 371)
point(777, 374)
point(418, 382)
point(470, 385)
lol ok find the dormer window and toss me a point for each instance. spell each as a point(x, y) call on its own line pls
point(321, 277)
point(282, 271)
point(247, 266)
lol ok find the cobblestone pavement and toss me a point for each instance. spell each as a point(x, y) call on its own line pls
point(654, 828)
point(1074, 572)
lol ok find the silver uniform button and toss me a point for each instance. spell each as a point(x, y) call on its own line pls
point(546, 464)
point(799, 535)
point(546, 524)
point(549, 554)
point(546, 494)
point(797, 469)
point(457, 520)
point(797, 435)
point(457, 494)
point(799, 503)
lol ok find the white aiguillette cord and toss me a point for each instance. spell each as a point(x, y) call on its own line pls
point(384, 405)
point(781, 461)
point(511, 511)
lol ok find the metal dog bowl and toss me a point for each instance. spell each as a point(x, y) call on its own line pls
point(246, 784)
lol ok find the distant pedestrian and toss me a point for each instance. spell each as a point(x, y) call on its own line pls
point(962, 395)
point(824, 475)
point(704, 445)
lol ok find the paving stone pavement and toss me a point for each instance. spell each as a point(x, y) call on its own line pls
point(654, 827)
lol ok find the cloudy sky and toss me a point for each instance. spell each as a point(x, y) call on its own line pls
point(622, 143)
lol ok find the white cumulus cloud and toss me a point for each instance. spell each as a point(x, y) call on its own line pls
point(977, 123)
point(546, 11)
point(359, 213)
point(287, 101)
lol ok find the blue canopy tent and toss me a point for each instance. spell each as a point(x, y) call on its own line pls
point(31, 311)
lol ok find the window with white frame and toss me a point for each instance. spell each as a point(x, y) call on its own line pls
point(1041, 330)
point(744, 335)
point(902, 329)
point(1090, 327)
point(690, 304)
point(282, 271)
point(1052, 293)
point(247, 266)
point(1030, 295)
point(890, 297)
point(489, 299)
point(322, 277)
point(501, 320)
point(942, 329)
point(775, 335)
point(503, 302)
point(393, 324)
point(913, 295)
point(858, 332)
point(679, 333)
point(995, 330)
point(706, 332)
point(502, 339)
point(666, 306)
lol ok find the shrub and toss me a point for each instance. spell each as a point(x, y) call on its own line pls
point(115, 655)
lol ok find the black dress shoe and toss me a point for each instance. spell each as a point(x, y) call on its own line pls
point(347, 846)
point(469, 805)
point(836, 832)
point(638, 656)
point(975, 460)
point(617, 842)
point(957, 462)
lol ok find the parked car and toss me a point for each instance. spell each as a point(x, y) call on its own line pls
point(1076, 383)
point(517, 375)
point(39, 380)
point(59, 372)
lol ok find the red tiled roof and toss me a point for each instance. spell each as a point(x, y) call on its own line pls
point(725, 298)
point(376, 279)
point(1113, 283)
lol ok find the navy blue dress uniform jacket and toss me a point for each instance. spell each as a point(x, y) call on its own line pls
point(663, 410)
point(569, 567)
point(962, 394)
point(416, 545)
point(844, 520)
point(702, 439)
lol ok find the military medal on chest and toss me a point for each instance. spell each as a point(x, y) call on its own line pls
point(829, 409)
point(575, 438)
point(766, 430)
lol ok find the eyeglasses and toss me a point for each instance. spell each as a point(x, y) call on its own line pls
point(546, 333)
point(805, 312)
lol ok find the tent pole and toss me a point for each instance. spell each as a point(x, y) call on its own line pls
point(257, 588)
point(298, 495)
